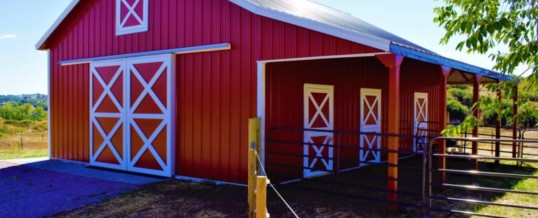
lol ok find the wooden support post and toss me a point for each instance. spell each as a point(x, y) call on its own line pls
point(251, 182)
point(253, 166)
point(515, 122)
point(254, 138)
point(261, 197)
point(445, 72)
point(498, 129)
point(393, 62)
point(476, 113)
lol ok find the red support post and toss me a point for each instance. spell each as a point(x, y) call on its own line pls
point(515, 122)
point(393, 62)
point(445, 72)
point(498, 129)
point(476, 97)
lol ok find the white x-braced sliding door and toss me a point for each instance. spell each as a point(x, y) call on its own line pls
point(370, 122)
point(318, 124)
point(107, 116)
point(420, 127)
point(131, 114)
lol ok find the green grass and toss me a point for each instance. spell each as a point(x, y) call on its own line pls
point(530, 185)
point(22, 153)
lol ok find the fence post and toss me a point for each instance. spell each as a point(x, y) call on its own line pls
point(253, 167)
point(254, 137)
point(251, 182)
point(261, 197)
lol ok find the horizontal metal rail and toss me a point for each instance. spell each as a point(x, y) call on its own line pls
point(475, 139)
point(476, 214)
point(484, 157)
point(520, 142)
point(491, 174)
point(474, 201)
point(487, 189)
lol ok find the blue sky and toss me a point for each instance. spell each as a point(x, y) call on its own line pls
point(22, 23)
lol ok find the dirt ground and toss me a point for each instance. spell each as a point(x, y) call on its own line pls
point(356, 193)
point(346, 195)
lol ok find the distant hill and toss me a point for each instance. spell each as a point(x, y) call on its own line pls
point(35, 100)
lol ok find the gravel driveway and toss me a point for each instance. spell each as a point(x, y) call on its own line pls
point(49, 187)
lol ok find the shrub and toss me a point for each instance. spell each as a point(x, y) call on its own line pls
point(456, 110)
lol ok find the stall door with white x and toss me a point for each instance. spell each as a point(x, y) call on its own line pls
point(318, 115)
point(370, 121)
point(420, 127)
point(107, 112)
point(132, 115)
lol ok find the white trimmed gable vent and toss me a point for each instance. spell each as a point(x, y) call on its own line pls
point(131, 16)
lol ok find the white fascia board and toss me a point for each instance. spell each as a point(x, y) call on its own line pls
point(357, 37)
point(56, 23)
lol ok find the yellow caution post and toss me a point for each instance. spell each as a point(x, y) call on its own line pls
point(254, 143)
point(251, 182)
point(261, 197)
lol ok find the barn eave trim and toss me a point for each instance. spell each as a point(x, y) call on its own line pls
point(443, 61)
point(339, 32)
point(41, 43)
point(185, 50)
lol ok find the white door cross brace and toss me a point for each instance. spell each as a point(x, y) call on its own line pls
point(131, 12)
point(370, 144)
point(310, 160)
point(420, 122)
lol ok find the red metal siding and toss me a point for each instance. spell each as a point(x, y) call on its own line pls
point(216, 92)
point(284, 99)
point(423, 77)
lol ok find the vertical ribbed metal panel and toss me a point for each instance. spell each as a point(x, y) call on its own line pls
point(216, 92)
point(285, 106)
point(423, 77)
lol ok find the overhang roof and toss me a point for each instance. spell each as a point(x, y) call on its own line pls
point(333, 22)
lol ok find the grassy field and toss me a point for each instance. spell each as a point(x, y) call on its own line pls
point(511, 167)
point(27, 144)
point(530, 185)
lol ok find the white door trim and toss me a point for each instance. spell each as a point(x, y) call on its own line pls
point(307, 123)
point(122, 163)
point(420, 109)
point(375, 142)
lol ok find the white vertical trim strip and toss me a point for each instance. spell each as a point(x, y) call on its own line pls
point(261, 107)
point(126, 109)
point(172, 111)
point(48, 105)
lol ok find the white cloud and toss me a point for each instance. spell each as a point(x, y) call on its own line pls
point(8, 36)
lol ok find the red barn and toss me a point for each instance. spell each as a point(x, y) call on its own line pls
point(167, 87)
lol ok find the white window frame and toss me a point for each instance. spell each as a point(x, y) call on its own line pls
point(143, 27)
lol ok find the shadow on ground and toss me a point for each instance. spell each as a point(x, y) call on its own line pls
point(47, 187)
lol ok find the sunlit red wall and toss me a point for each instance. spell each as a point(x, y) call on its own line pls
point(216, 91)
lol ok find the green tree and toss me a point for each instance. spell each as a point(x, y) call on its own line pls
point(528, 115)
point(456, 110)
point(41, 126)
point(487, 24)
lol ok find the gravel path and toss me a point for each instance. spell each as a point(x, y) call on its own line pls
point(31, 192)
